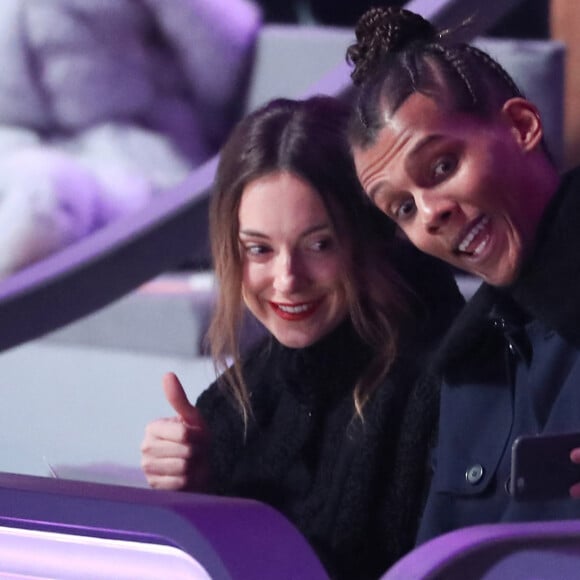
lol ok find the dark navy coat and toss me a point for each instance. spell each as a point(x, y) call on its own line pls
point(510, 365)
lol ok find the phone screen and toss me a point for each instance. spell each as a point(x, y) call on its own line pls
point(541, 466)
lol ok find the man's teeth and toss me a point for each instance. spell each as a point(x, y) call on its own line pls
point(294, 309)
point(471, 235)
point(480, 247)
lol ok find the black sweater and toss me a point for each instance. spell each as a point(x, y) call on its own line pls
point(355, 490)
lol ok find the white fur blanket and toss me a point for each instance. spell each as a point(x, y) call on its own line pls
point(104, 103)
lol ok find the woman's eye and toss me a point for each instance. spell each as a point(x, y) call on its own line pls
point(256, 250)
point(322, 244)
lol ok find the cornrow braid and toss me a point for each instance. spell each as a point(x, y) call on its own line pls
point(383, 31)
point(493, 65)
point(408, 64)
point(399, 53)
point(456, 62)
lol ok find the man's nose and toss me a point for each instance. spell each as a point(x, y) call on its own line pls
point(434, 210)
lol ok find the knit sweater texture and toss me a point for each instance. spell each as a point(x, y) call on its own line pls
point(354, 488)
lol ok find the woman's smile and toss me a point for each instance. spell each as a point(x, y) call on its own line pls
point(297, 311)
point(294, 266)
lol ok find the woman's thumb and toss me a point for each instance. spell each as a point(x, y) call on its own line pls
point(175, 394)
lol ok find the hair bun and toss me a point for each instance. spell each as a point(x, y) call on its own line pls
point(381, 31)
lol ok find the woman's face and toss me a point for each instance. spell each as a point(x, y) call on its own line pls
point(458, 187)
point(293, 268)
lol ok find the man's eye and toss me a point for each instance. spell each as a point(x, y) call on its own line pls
point(443, 167)
point(405, 209)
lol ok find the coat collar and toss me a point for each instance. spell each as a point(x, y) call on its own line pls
point(548, 288)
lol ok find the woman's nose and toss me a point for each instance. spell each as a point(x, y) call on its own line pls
point(288, 273)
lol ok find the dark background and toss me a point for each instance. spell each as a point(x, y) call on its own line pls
point(529, 20)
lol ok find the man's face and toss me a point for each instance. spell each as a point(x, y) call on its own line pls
point(456, 185)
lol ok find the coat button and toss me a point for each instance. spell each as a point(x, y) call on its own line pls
point(508, 485)
point(474, 474)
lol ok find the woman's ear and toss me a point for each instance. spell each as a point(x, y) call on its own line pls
point(524, 121)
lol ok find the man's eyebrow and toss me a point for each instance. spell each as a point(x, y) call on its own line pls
point(375, 189)
point(417, 149)
point(426, 141)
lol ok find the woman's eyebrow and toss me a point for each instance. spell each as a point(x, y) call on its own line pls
point(253, 234)
point(311, 230)
point(316, 228)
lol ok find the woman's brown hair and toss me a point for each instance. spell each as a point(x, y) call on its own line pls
point(308, 139)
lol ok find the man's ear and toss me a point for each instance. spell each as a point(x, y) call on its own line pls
point(524, 121)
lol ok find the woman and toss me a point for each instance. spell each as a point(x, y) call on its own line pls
point(447, 146)
point(322, 419)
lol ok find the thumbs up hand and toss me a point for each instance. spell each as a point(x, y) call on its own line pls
point(175, 450)
point(177, 398)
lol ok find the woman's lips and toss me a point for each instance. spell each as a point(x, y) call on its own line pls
point(296, 311)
